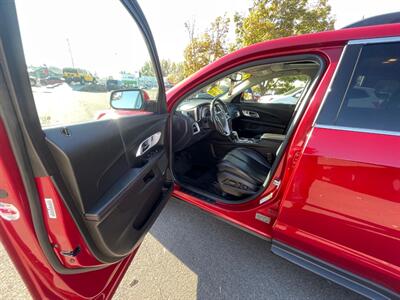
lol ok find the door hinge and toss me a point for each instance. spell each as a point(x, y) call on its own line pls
point(296, 157)
point(276, 182)
point(71, 253)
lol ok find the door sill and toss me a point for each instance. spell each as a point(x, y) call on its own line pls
point(265, 238)
point(212, 198)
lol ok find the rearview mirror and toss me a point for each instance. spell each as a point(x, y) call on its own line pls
point(131, 99)
point(235, 77)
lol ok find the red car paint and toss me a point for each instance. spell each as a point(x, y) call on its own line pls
point(346, 206)
point(19, 239)
point(244, 214)
point(299, 223)
point(63, 234)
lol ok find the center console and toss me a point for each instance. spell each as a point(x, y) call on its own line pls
point(241, 140)
point(266, 138)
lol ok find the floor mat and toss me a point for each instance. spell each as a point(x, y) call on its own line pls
point(198, 171)
point(203, 177)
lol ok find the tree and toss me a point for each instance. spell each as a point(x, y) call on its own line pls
point(175, 74)
point(147, 69)
point(271, 19)
point(207, 47)
point(167, 67)
point(173, 71)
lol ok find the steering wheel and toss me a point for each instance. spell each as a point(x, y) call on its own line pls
point(220, 116)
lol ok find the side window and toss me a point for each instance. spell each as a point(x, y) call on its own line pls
point(278, 90)
point(275, 83)
point(372, 97)
point(78, 53)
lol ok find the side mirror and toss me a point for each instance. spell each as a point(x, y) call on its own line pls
point(131, 99)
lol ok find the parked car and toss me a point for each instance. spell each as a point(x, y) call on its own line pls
point(290, 97)
point(78, 75)
point(319, 180)
point(52, 80)
point(33, 80)
point(364, 97)
point(113, 84)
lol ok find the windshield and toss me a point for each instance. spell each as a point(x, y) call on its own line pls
point(221, 87)
point(293, 91)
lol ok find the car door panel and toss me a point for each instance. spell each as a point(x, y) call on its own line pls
point(89, 171)
point(115, 190)
point(355, 185)
point(86, 199)
point(272, 118)
point(342, 208)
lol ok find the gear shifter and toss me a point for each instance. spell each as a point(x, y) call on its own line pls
point(235, 138)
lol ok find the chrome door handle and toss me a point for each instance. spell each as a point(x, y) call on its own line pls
point(148, 143)
point(250, 114)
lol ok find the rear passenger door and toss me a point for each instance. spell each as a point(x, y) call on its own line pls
point(341, 216)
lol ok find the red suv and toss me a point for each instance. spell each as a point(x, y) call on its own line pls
point(317, 176)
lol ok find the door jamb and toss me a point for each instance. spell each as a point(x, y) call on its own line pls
point(290, 131)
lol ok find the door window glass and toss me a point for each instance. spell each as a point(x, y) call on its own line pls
point(278, 90)
point(77, 53)
point(372, 100)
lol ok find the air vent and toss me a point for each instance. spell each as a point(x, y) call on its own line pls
point(196, 128)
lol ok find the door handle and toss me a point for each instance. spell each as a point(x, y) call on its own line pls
point(250, 114)
point(148, 143)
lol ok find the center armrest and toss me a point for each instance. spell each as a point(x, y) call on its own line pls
point(273, 136)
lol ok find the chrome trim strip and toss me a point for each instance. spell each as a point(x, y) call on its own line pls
point(390, 39)
point(356, 129)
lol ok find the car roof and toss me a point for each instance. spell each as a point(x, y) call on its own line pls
point(321, 39)
point(390, 18)
point(314, 41)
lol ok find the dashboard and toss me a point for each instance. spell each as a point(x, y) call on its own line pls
point(195, 109)
point(192, 122)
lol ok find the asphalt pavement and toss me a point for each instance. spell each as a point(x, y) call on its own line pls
point(191, 255)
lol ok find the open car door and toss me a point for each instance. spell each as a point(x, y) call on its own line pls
point(78, 194)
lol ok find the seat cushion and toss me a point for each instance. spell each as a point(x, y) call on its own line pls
point(242, 171)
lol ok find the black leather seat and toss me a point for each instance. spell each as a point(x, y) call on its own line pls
point(242, 171)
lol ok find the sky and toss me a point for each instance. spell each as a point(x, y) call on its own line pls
point(166, 18)
point(96, 35)
point(106, 41)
